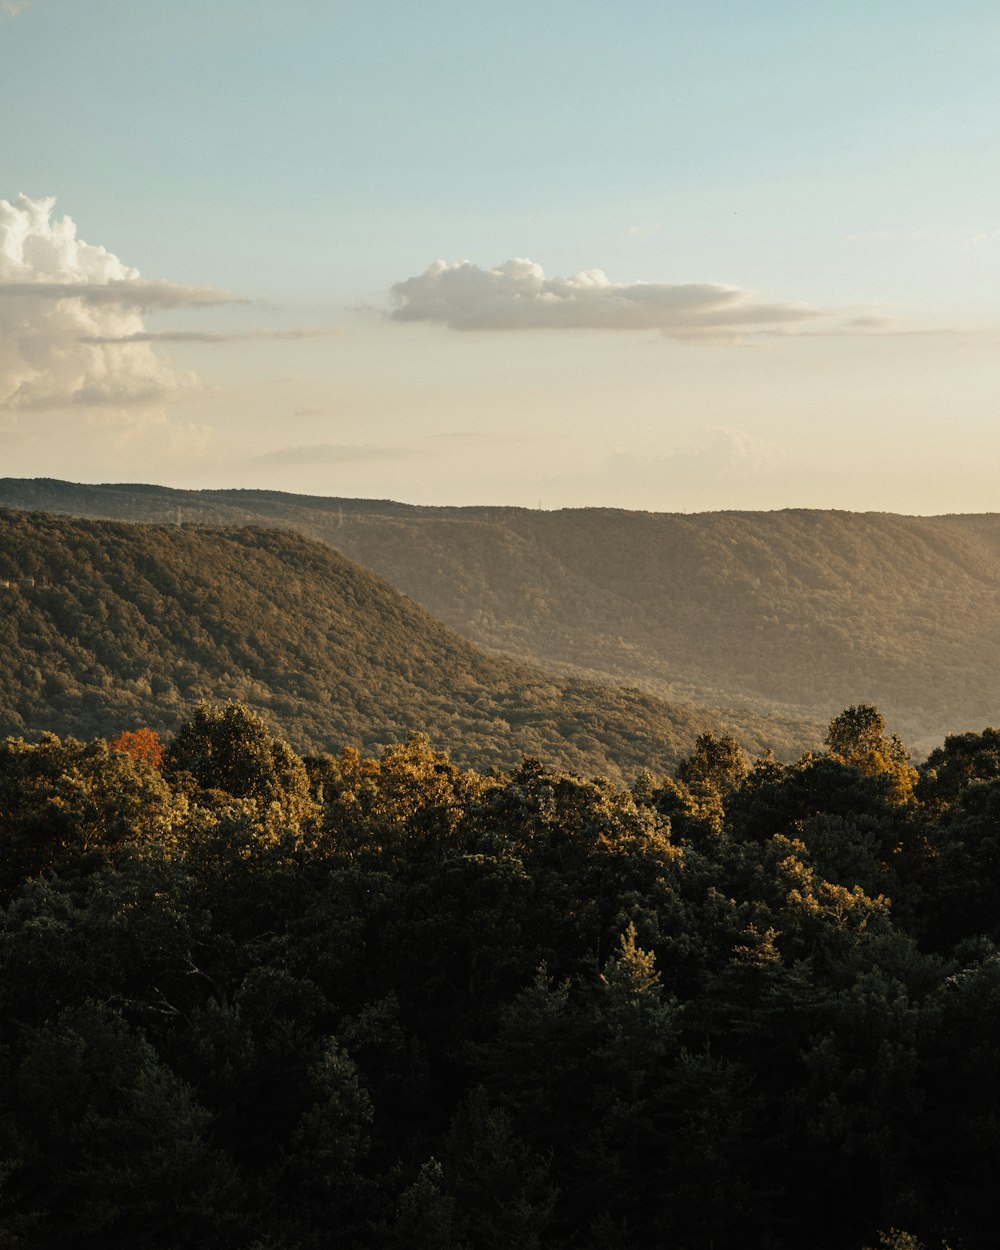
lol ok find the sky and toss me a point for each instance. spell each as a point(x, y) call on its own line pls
point(672, 256)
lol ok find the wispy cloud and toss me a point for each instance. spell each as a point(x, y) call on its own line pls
point(205, 336)
point(11, 8)
point(122, 293)
point(870, 321)
point(877, 327)
point(517, 295)
point(334, 453)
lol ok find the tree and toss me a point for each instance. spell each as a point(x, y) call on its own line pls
point(121, 1154)
point(710, 775)
point(66, 804)
point(320, 1180)
point(140, 744)
point(503, 1196)
point(425, 1219)
point(857, 737)
point(716, 763)
point(962, 879)
point(231, 749)
point(964, 760)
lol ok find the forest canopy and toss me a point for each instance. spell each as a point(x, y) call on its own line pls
point(256, 998)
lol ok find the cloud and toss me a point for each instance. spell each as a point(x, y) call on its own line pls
point(130, 434)
point(714, 467)
point(333, 453)
point(723, 459)
point(62, 303)
point(204, 336)
point(871, 321)
point(721, 452)
point(518, 296)
point(130, 293)
point(11, 8)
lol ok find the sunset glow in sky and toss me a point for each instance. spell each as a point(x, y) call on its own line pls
point(671, 256)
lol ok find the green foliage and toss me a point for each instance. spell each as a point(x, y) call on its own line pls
point(963, 761)
point(64, 804)
point(426, 1215)
point(230, 749)
point(120, 1151)
point(857, 737)
point(717, 764)
point(502, 1191)
point(250, 1000)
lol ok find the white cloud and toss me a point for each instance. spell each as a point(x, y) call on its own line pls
point(63, 302)
point(518, 296)
point(11, 8)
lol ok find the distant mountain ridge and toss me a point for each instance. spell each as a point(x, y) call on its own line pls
point(107, 626)
point(795, 613)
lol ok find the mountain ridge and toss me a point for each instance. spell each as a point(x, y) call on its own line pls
point(794, 612)
point(129, 624)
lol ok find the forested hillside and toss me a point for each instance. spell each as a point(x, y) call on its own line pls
point(255, 1002)
point(803, 610)
point(106, 625)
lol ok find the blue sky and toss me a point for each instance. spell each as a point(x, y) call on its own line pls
point(796, 210)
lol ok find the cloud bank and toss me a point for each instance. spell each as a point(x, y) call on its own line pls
point(62, 302)
point(518, 296)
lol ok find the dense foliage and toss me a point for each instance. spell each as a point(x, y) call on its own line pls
point(104, 626)
point(809, 610)
point(256, 1000)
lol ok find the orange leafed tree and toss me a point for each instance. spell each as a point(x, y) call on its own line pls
point(141, 744)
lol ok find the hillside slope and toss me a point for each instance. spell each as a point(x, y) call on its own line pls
point(799, 612)
point(106, 626)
